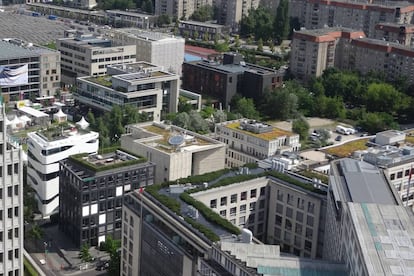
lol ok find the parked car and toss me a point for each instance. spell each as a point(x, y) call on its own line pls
point(102, 265)
point(338, 138)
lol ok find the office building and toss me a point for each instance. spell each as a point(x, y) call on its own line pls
point(367, 228)
point(91, 191)
point(221, 81)
point(11, 210)
point(143, 85)
point(37, 68)
point(177, 152)
point(156, 48)
point(88, 55)
point(45, 149)
point(249, 141)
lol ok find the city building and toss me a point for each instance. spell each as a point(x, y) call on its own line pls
point(35, 70)
point(92, 189)
point(88, 55)
point(201, 30)
point(11, 210)
point(177, 152)
point(315, 50)
point(249, 141)
point(45, 149)
point(156, 48)
point(120, 18)
point(181, 9)
point(232, 11)
point(79, 4)
point(141, 84)
point(399, 33)
point(221, 81)
point(366, 227)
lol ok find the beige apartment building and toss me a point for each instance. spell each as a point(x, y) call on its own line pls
point(177, 152)
point(181, 9)
point(88, 55)
point(275, 211)
point(249, 141)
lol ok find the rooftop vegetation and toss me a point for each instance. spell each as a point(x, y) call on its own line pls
point(275, 133)
point(102, 80)
point(347, 149)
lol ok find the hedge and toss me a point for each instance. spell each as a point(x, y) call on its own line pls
point(295, 182)
point(28, 268)
point(207, 232)
point(167, 201)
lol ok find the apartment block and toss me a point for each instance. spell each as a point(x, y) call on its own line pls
point(398, 33)
point(232, 11)
point(181, 9)
point(131, 19)
point(156, 48)
point(367, 228)
point(140, 84)
point(35, 70)
point(177, 152)
point(201, 30)
point(92, 188)
point(88, 55)
point(249, 141)
point(46, 149)
point(11, 210)
point(355, 15)
point(221, 81)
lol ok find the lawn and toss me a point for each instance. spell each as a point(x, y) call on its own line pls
point(347, 149)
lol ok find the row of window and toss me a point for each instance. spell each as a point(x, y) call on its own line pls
point(235, 197)
point(300, 203)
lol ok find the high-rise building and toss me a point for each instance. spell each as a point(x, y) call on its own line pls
point(92, 189)
point(367, 227)
point(45, 149)
point(11, 210)
point(35, 70)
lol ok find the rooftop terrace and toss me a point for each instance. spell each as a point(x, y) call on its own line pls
point(272, 134)
point(60, 131)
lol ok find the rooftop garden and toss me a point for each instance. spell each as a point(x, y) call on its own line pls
point(210, 215)
point(275, 133)
point(347, 149)
point(58, 130)
point(82, 159)
point(102, 80)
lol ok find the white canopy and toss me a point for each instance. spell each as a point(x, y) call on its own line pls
point(83, 123)
point(33, 112)
point(16, 123)
point(60, 116)
point(24, 118)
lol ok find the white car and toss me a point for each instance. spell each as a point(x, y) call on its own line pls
point(42, 261)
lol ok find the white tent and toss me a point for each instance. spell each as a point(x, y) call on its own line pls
point(16, 123)
point(60, 116)
point(82, 123)
point(7, 121)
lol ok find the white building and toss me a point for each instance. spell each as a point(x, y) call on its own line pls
point(367, 228)
point(45, 150)
point(249, 141)
point(87, 55)
point(156, 48)
point(11, 207)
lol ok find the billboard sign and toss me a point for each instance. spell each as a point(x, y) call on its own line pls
point(14, 76)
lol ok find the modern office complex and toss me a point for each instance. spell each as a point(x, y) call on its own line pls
point(88, 55)
point(367, 228)
point(156, 48)
point(11, 210)
point(315, 50)
point(221, 81)
point(141, 84)
point(35, 70)
point(249, 141)
point(92, 189)
point(45, 150)
point(177, 152)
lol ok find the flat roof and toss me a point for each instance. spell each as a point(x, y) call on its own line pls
point(9, 51)
point(364, 183)
point(33, 112)
point(275, 133)
point(146, 35)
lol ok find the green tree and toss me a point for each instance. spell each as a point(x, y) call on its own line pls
point(147, 6)
point(259, 23)
point(260, 45)
point(376, 122)
point(163, 19)
point(90, 117)
point(237, 41)
point(203, 13)
point(280, 104)
point(301, 127)
point(222, 47)
point(281, 22)
point(35, 234)
point(245, 107)
point(197, 123)
point(182, 120)
point(130, 115)
point(183, 105)
point(115, 126)
point(84, 253)
point(383, 97)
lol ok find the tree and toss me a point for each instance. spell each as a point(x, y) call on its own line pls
point(203, 13)
point(183, 105)
point(301, 127)
point(222, 47)
point(197, 123)
point(147, 6)
point(281, 23)
point(90, 117)
point(182, 120)
point(237, 41)
point(84, 253)
point(282, 103)
point(245, 107)
point(115, 127)
point(163, 19)
point(383, 97)
point(220, 116)
point(376, 122)
point(259, 23)
point(130, 115)
point(260, 45)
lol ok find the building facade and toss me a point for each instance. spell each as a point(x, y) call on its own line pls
point(92, 190)
point(201, 30)
point(249, 141)
point(399, 33)
point(38, 68)
point(156, 48)
point(45, 150)
point(180, 9)
point(87, 55)
point(11, 210)
point(177, 152)
point(140, 84)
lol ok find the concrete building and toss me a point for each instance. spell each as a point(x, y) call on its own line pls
point(249, 141)
point(201, 30)
point(181, 9)
point(367, 228)
point(156, 48)
point(45, 149)
point(11, 210)
point(79, 4)
point(88, 55)
point(92, 189)
point(143, 85)
point(399, 33)
point(177, 152)
point(390, 137)
point(221, 81)
point(120, 18)
point(39, 70)
point(232, 11)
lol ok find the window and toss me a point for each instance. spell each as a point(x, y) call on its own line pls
point(9, 191)
point(253, 193)
point(308, 245)
point(301, 203)
point(10, 255)
point(233, 211)
point(243, 196)
point(10, 234)
point(279, 208)
point(233, 198)
point(242, 220)
point(261, 204)
point(308, 233)
point(289, 212)
point(243, 208)
point(298, 228)
point(288, 224)
point(223, 201)
point(252, 206)
point(16, 253)
point(289, 199)
point(399, 174)
point(311, 207)
point(213, 203)
point(262, 191)
point(16, 168)
point(299, 216)
point(278, 220)
point(16, 190)
point(309, 221)
point(223, 213)
point(392, 176)
point(9, 170)
point(10, 212)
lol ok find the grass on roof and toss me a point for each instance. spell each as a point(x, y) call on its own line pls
point(347, 149)
point(101, 80)
point(275, 133)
